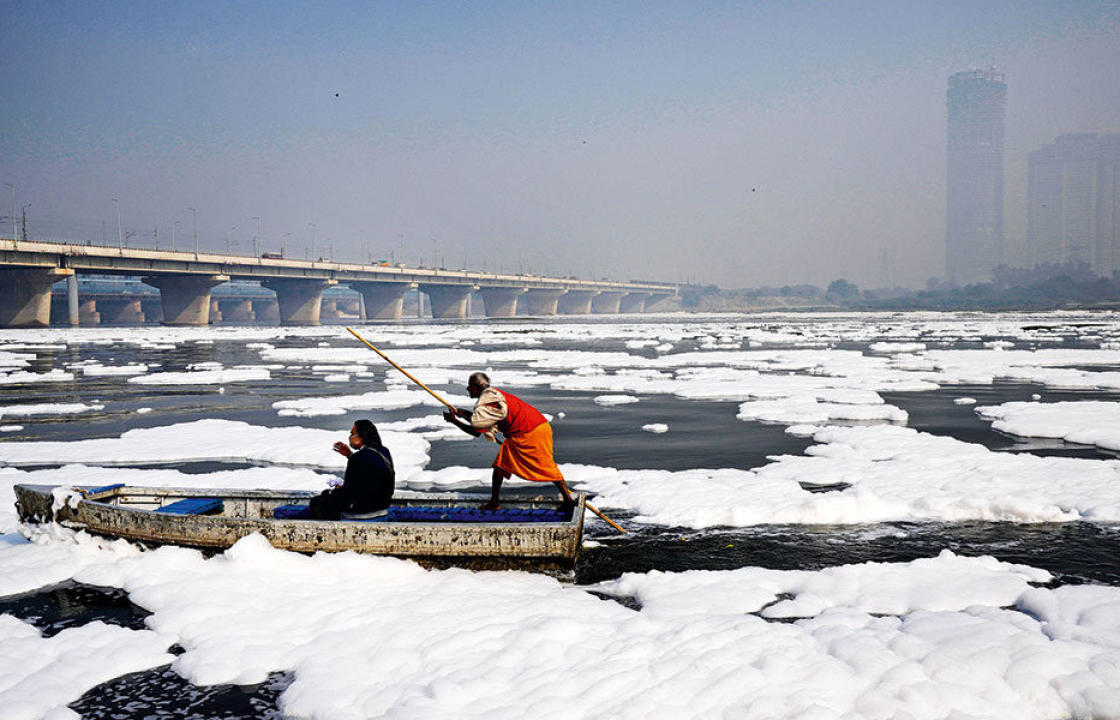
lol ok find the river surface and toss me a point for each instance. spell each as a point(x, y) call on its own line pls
point(704, 434)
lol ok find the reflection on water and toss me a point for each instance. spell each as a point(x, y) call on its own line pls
point(72, 604)
point(161, 693)
point(1073, 552)
point(701, 435)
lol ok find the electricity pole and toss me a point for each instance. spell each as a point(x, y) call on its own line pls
point(13, 187)
point(194, 215)
point(257, 239)
point(120, 235)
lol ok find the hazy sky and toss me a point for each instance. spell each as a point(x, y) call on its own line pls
point(742, 144)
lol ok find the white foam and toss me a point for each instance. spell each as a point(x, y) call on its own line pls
point(611, 400)
point(395, 399)
point(213, 439)
point(656, 428)
point(1088, 422)
point(926, 640)
point(113, 370)
point(203, 377)
point(40, 675)
point(48, 409)
point(894, 474)
point(30, 378)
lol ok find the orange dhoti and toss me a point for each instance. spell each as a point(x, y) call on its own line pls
point(529, 456)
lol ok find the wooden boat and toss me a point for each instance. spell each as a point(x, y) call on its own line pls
point(435, 529)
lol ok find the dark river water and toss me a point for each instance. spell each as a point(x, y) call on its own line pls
point(705, 434)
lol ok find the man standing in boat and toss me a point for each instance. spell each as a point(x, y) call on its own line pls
point(527, 450)
point(367, 487)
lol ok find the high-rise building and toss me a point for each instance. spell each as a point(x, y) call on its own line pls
point(974, 182)
point(1073, 202)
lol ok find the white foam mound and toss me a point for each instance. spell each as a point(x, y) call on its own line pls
point(203, 377)
point(213, 439)
point(21, 377)
point(48, 409)
point(610, 400)
point(893, 473)
point(113, 370)
point(798, 410)
point(1089, 422)
point(925, 640)
point(656, 428)
point(38, 674)
point(340, 404)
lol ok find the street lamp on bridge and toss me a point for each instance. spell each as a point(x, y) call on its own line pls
point(120, 234)
point(194, 215)
point(13, 187)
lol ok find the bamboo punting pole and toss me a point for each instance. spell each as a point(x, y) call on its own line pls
point(452, 408)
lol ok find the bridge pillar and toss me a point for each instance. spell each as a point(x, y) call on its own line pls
point(500, 301)
point(185, 298)
point(329, 310)
point(152, 307)
point(542, 302)
point(25, 295)
point(634, 302)
point(300, 300)
point(237, 310)
point(654, 299)
point(448, 301)
point(121, 310)
point(266, 310)
point(72, 315)
point(87, 313)
point(576, 302)
point(606, 302)
point(382, 300)
point(215, 312)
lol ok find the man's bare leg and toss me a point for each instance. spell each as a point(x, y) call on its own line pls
point(563, 488)
point(495, 490)
point(568, 503)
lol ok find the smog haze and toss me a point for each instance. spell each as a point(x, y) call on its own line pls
point(739, 144)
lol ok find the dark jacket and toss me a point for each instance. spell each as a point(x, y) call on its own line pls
point(366, 487)
point(369, 480)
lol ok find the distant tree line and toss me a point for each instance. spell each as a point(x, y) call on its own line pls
point(1043, 287)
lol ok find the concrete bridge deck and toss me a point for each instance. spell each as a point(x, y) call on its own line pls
point(29, 269)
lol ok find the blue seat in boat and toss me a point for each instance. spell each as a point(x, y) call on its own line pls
point(104, 488)
point(425, 513)
point(291, 512)
point(192, 506)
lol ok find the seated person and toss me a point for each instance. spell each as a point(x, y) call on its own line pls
point(367, 487)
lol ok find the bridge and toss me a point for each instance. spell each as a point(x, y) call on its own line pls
point(185, 281)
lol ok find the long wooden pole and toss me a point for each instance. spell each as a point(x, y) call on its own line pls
point(431, 392)
point(451, 407)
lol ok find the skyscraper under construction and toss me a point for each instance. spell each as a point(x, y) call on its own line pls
point(974, 192)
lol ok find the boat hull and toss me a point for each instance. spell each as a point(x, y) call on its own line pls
point(128, 512)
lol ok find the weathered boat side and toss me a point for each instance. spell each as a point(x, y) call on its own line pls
point(128, 513)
